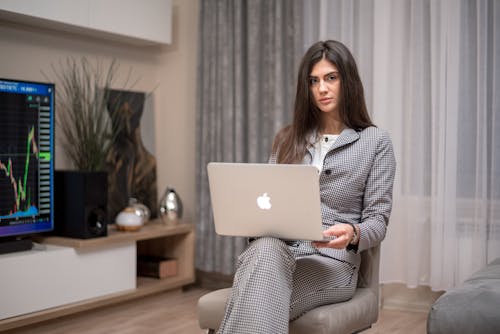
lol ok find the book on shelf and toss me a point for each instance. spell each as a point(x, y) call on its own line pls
point(156, 266)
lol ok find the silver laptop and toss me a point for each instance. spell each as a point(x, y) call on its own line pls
point(253, 200)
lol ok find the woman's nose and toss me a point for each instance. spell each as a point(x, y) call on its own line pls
point(322, 86)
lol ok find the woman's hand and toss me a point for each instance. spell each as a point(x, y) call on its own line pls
point(341, 234)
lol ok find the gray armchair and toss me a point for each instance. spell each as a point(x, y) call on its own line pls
point(352, 316)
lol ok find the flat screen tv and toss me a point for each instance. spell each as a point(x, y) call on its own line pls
point(26, 162)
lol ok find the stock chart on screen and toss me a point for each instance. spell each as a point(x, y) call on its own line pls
point(25, 153)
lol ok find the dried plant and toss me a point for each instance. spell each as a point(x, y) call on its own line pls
point(82, 95)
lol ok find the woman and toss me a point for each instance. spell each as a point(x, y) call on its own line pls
point(278, 281)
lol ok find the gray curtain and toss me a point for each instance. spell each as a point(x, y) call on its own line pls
point(248, 55)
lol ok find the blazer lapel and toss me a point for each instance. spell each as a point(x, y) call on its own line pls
point(347, 136)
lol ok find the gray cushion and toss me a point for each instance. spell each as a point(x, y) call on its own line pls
point(358, 313)
point(473, 307)
point(211, 308)
point(353, 315)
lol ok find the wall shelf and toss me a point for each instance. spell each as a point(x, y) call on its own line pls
point(127, 21)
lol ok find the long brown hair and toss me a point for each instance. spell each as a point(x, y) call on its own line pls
point(291, 142)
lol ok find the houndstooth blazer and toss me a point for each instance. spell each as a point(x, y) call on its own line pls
point(356, 186)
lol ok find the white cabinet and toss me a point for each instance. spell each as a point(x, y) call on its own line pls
point(69, 275)
point(138, 22)
point(49, 276)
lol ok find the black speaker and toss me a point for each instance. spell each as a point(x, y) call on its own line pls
point(80, 204)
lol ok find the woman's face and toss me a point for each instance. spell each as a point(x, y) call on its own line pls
point(324, 82)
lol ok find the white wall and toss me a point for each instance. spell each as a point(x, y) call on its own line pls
point(170, 70)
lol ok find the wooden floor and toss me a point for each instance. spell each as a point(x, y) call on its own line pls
point(175, 312)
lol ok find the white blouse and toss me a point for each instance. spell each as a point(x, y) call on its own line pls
point(321, 148)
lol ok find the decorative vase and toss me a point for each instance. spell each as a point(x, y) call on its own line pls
point(140, 209)
point(133, 217)
point(170, 206)
point(127, 220)
point(131, 165)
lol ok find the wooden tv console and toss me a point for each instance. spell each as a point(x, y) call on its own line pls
point(155, 238)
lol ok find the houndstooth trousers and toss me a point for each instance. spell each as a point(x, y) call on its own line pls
point(277, 282)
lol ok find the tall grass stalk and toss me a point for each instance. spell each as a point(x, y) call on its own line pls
point(82, 94)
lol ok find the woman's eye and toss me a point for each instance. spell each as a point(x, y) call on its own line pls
point(313, 81)
point(331, 77)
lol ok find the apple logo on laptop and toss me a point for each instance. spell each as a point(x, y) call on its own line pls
point(264, 202)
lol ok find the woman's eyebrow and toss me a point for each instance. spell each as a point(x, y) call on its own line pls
point(332, 72)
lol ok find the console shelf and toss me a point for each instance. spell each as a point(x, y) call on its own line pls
point(153, 229)
point(155, 238)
